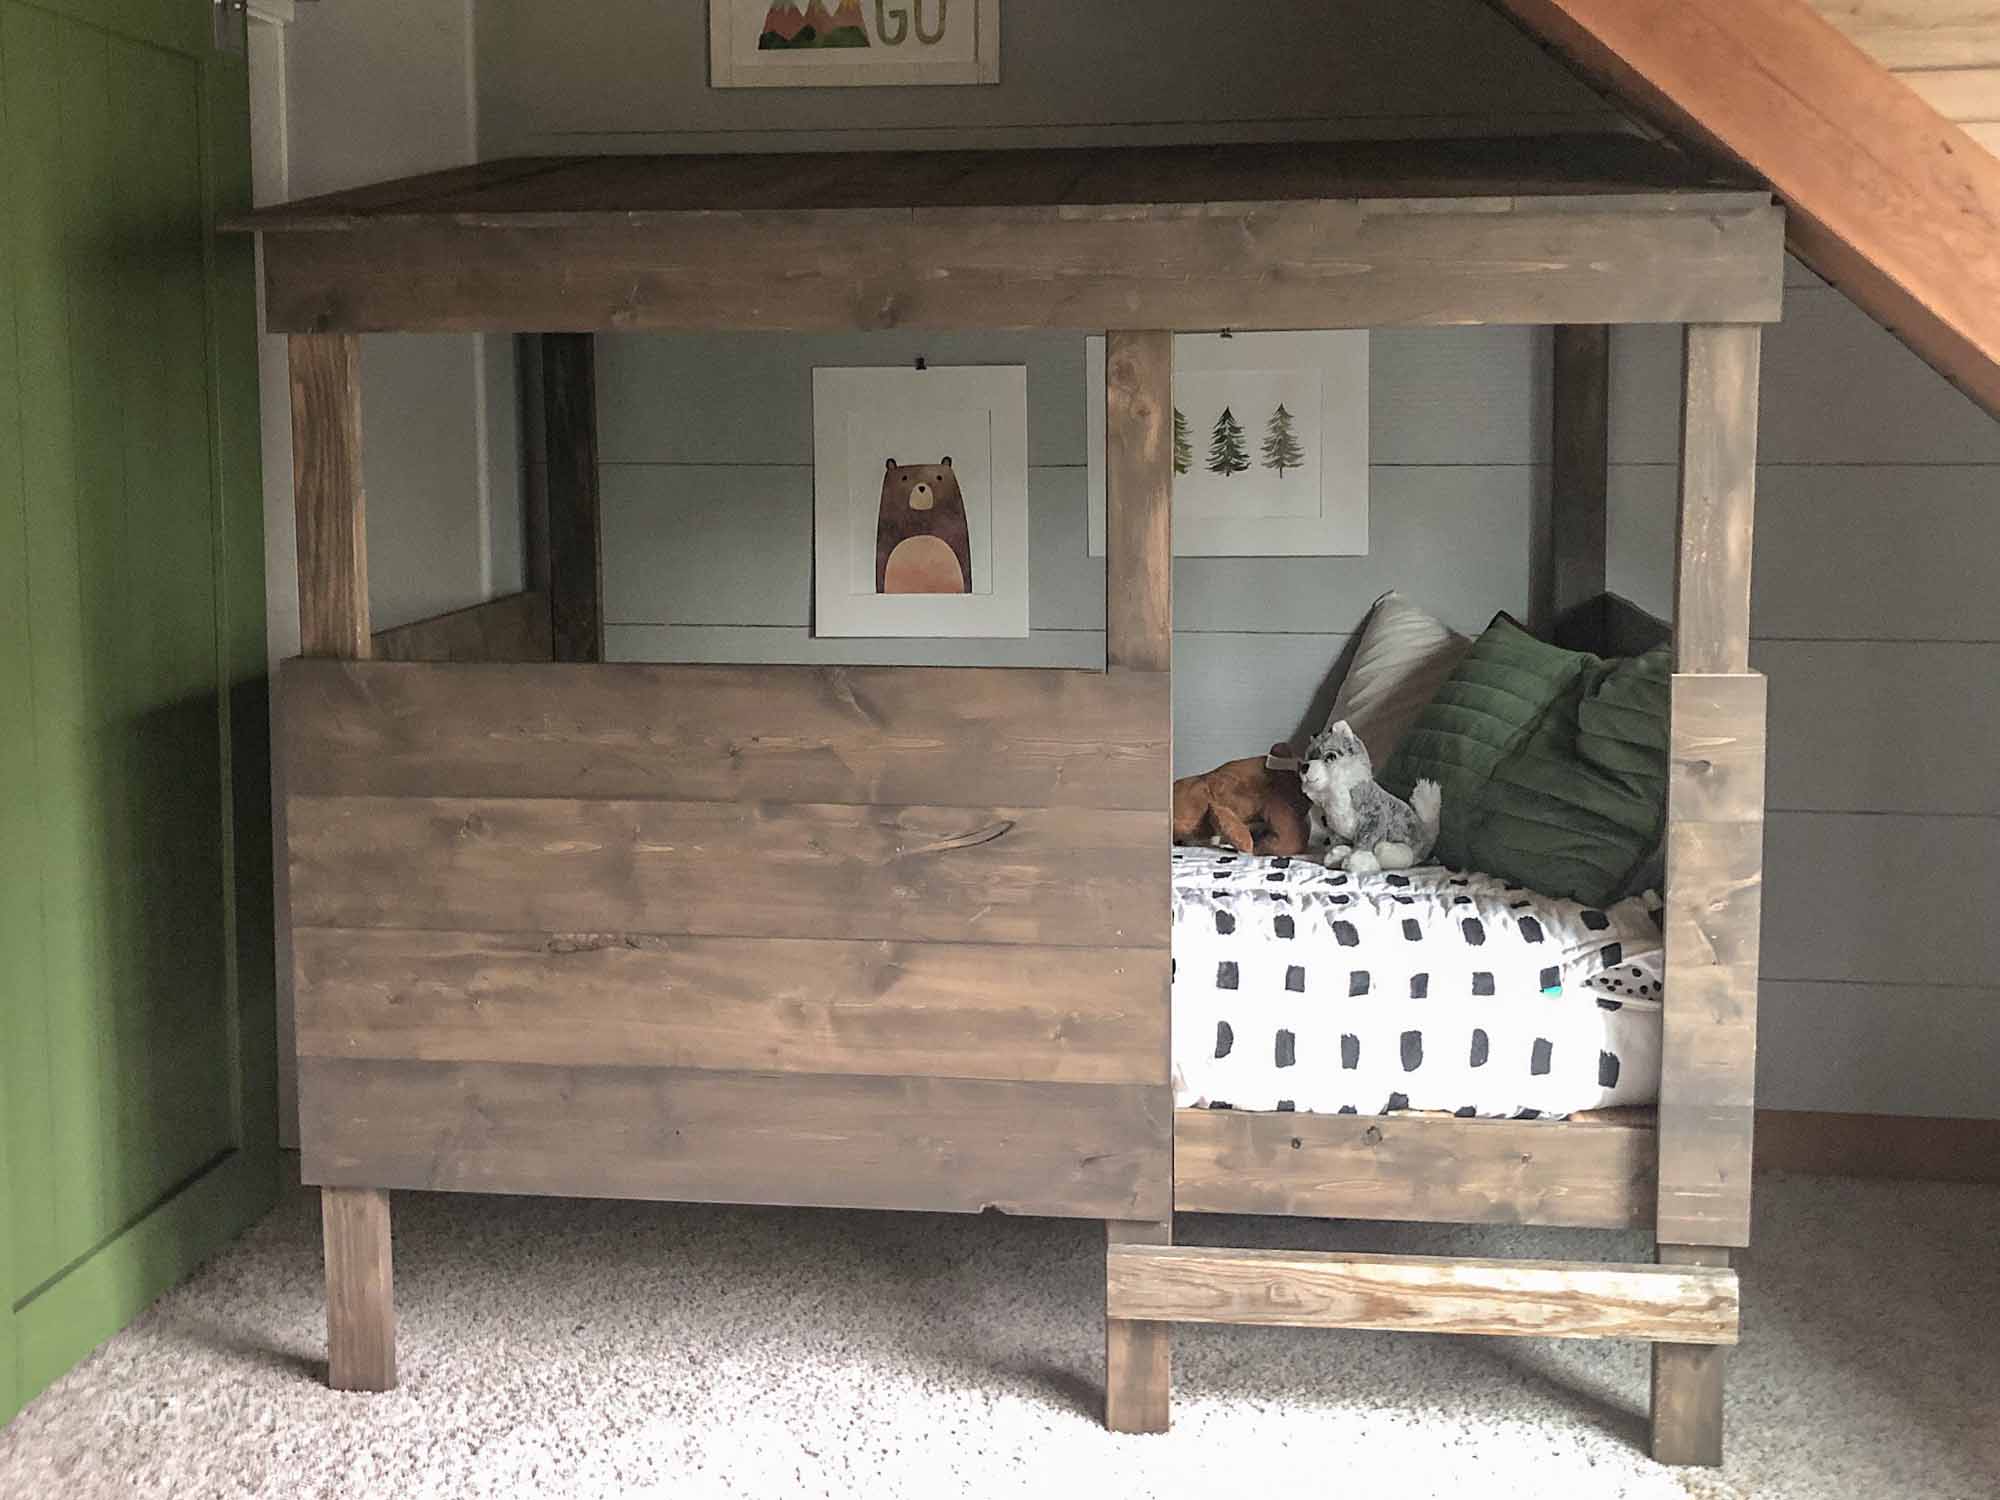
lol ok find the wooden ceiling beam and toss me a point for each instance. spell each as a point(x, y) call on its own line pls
point(1886, 198)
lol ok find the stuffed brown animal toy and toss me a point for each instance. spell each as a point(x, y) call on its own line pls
point(1232, 797)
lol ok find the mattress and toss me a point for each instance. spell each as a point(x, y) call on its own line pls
point(1301, 988)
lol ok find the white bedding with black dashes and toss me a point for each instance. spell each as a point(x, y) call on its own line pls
point(1298, 987)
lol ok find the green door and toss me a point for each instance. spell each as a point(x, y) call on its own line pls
point(136, 1009)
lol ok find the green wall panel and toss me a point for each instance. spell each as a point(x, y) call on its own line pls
point(138, 1023)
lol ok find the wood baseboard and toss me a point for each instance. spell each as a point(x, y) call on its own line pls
point(1911, 1147)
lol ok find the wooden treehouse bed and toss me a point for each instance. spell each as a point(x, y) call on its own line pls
point(541, 943)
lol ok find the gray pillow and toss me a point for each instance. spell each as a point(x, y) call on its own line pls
point(1404, 656)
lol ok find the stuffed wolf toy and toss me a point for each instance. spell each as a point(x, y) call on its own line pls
point(1371, 828)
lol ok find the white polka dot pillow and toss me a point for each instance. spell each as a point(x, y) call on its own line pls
point(1643, 982)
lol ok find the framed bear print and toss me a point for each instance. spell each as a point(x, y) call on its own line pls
point(848, 43)
point(920, 501)
point(1270, 444)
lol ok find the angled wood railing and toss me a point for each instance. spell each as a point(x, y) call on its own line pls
point(1887, 198)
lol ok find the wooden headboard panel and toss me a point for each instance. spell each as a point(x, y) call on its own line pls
point(886, 937)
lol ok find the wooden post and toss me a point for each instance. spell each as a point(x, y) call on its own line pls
point(1139, 637)
point(1687, 1385)
point(333, 621)
point(326, 491)
point(1138, 500)
point(1138, 1378)
point(1569, 568)
point(575, 551)
point(1718, 497)
point(360, 1290)
point(1715, 829)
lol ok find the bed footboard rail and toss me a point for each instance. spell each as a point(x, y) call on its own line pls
point(1423, 1294)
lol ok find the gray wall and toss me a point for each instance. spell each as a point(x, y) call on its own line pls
point(1873, 612)
point(377, 91)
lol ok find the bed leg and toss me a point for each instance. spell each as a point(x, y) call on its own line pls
point(1136, 1373)
point(1687, 1383)
point(360, 1294)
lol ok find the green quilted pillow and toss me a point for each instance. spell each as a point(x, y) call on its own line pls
point(1553, 763)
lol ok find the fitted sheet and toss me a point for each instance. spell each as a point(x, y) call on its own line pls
point(1298, 987)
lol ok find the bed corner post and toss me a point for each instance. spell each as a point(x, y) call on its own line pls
point(333, 621)
point(1715, 850)
point(1567, 568)
point(570, 548)
point(1139, 637)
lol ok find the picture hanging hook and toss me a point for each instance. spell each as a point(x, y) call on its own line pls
point(922, 363)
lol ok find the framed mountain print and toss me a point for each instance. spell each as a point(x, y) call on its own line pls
point(849, 43)
point(1270, 444)
point(920, 501)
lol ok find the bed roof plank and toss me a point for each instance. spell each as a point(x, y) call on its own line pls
point(1580, 229)
point(547, 189)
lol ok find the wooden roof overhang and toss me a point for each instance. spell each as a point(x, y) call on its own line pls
point(1567, 229)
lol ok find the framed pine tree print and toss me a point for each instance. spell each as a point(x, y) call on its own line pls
point(1270, 444)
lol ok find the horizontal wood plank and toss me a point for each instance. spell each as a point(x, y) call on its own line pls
point(950, 1145)
point(1429, 1168)
point(1058, 1015)
point(1105, 182)
point(1066, 877)
point(883, 736)
point(1236, 265)
point(512, 628)
point(1422, 1294)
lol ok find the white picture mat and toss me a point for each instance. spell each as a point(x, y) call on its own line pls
point(969, 52)
point(862, 418)
point(1257, 513)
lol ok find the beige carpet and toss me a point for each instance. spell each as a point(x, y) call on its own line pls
point(553, 1348)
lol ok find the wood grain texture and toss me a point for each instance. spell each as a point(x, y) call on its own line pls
point(1687, 1380)
point(1885, 198)
point(514, 627)
point(933, 1144)
point(1718, 499)
point(1057, 1015)
point(1572, 571)
point(651, 964)
point(1232, 264)
point(1963, 95)
point(327, 495)
point(1430, 1168)
point(879, 735)
point(1920, 34)
point(1067, 877)
point(1422, 1293)
point(360, 1289)
point(1715, 857)
point(571, 492)
point(1138, 501)
point(1138, 1355)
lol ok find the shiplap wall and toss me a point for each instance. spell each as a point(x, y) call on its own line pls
point(1875, 611)
point(1874, 614)
point(707, 452)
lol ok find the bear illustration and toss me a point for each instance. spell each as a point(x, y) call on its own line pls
point(922, 542)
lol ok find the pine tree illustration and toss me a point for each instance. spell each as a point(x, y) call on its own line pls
point(1183, 450)
point(1226, 455)
point(1281, 448)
